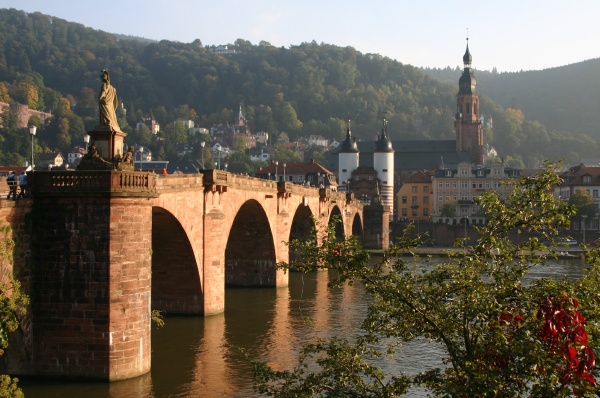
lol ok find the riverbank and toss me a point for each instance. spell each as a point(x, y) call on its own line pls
point(566, 253)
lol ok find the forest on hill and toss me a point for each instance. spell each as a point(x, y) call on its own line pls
point(54, 65)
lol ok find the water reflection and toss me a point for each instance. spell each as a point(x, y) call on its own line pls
point(196, 356)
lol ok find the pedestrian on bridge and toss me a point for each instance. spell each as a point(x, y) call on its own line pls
point(11, 180)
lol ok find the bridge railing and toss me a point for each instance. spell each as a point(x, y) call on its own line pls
point(91, 181)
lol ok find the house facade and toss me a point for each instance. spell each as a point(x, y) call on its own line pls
point(414, 198)
point(454, 191)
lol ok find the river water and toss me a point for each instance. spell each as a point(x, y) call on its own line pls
point(200, 356)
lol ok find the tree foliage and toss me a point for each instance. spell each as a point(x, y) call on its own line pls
point(12, 304)
point(500, 337)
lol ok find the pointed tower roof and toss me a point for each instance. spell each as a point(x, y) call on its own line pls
point(383, 143)
point(349, 144)
point(467, 83)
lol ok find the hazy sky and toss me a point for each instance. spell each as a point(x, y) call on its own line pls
point(510, 35)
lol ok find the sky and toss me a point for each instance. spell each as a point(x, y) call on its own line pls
point(510, 35)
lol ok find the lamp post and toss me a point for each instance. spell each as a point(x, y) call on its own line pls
point(32, 130)
point(225, 166)
point(284, 172)
point(269, 174)
point(276, 163)
point(142, 159)
point(202, 152)
point(219, 157)
point(583, 217)
point(86, 139)
point(465, 218)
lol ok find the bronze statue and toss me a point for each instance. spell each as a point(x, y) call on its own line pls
point(126, 163)
point(93, 161)
point(107, 104)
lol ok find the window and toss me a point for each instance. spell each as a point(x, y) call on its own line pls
point(344, 170)
point(425, 212)
point(404, 199)
point(440, 185)
point(370, 178)
point(587, 179)
point(487, 185)
point(481, 185)
point(425, 188)
point(474, 185)
point(464, 184)
point(454, 184)
point(414, 200)
point(300, 178)
point(441, 198)
point(447, 185)
point(414, 212)
point(595, 193)
point(425, 200)
point(414, 188)
point(384, 170)
point(448, 173)
point(404, 212)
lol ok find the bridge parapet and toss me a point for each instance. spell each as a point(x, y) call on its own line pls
point(94, 182)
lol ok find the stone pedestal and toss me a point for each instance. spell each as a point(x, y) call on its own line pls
point(109, 143)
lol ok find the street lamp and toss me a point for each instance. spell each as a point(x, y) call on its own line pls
point(284, 172)
point(32, 130)
point(583, 221)
point(142, 159)
point(202, 151)
point(225, 166)
point(276, 163)
point(86, 139)
point(465, 218)
point(269, 174)
point(219, 157)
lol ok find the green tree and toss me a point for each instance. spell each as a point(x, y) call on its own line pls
point(12, 305)
point(584, 205)
point(448, 209)
point(500, 337)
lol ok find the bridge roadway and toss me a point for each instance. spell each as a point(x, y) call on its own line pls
point(98, 249)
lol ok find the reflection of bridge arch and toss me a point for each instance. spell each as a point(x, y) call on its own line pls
point(250, 253)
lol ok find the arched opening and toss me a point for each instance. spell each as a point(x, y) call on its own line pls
point(357, 229)
point(336, 214)
point(176, 287)
point(250, 252)
point(303, 228)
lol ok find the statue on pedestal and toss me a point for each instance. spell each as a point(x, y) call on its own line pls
point(107, 104)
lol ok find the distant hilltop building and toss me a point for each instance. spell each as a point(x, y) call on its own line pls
point(394, 161)
point(223, 50)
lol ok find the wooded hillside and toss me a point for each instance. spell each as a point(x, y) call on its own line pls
point(53, 65)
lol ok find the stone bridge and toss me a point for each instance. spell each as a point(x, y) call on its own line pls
point(97, 250)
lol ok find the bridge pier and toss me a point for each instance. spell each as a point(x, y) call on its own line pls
point(91, 258)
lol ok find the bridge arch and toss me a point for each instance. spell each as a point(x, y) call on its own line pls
point(176, 281)
point(339, 226)
point(250, 257)
point(357, 226)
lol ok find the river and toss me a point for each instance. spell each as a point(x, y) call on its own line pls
point(200, 357)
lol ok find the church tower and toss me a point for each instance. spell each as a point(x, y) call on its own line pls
point(468, 126)
point(348, 159)
point(383, 163)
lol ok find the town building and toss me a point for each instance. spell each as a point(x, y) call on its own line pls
point(49, 160)
point(308, 173)
point(577, 178)
point(414, 198)
point(454, 190)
